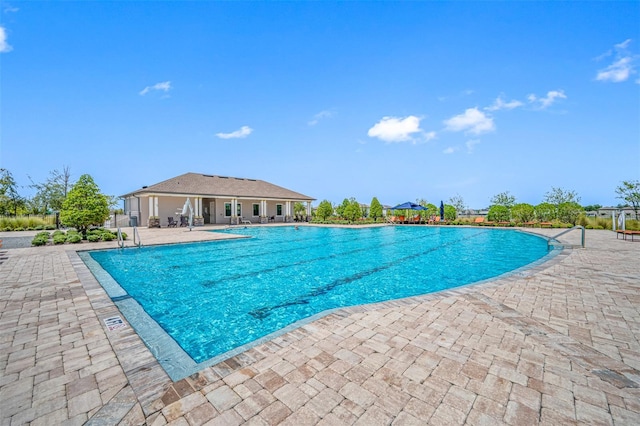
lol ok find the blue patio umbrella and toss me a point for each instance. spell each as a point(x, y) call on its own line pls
point(408, 206)
point(441, 211)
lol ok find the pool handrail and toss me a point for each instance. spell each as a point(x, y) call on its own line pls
point(569, 230)
point(136, 237)
point(135, 233)
point(120, 239)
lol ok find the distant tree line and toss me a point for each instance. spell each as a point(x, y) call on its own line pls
point(558, 205)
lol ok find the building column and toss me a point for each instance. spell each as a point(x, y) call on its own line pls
point(287, 211)
point(309, 210)
point(234, 211)
point(263, 211)
point(153, 211)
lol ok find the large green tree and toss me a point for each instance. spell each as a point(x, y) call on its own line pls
point(340, 209)
point(375, 209)
point(629, 191)
point(324, 210)
point(558, 196)
point(352, 211)
point(84, 205)
point(11, 202)
point(503, 199)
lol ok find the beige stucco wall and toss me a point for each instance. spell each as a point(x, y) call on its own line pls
point(171, 206)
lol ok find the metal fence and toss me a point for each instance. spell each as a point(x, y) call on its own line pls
point(114, 221)
point(117, 221)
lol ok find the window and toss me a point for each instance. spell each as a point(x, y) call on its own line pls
point(227, 209)
point(239, 208)
point(278, 209)
point(256, 209)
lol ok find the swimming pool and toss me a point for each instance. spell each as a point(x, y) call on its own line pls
point(214, 297)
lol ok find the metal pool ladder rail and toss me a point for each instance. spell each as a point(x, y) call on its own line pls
point(137, 242)
point(566, 231)
point(136, 238)
point(120, 239)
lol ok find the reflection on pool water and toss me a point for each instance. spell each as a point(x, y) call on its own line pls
point(212, 297)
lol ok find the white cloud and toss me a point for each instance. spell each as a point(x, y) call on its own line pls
point(394, 129)
point(243, 132)
point(617, 72)
point(4, 46)
point(549, 100)
point(450, 150)
point(499, 104)
point(319, 116)
point(470, 144)
point(623, 45)
point(551, 97)
point(429, 135)
point(165, 86)
point(471, 121)
point(621, 68)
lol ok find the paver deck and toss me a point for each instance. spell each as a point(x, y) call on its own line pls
point(557, 344)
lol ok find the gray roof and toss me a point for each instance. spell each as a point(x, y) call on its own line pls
point(197, 184)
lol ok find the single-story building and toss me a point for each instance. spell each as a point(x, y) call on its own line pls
point(214, 199)
point(628, 211)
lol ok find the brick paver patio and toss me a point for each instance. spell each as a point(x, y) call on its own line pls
point(557, 344)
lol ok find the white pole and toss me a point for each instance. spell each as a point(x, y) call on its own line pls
point(613, 220)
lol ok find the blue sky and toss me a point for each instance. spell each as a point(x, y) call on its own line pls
point(398, 100)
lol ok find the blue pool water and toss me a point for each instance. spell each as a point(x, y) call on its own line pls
point(212, 297)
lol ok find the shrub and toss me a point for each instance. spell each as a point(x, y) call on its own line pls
point(93, 238)
point(498, 213)
point(57, 232)
point(449, 212)
point(583, 221)
point(545, 212)
point(523, 212)
point(108, 236)
point(59, 238)
point(569, 212)
point(74, 238)
point(39, 241)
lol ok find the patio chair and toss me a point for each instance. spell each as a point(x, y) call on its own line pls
point(172, 222)
point(272, 219)
point(483, 222)
point(184, 221)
